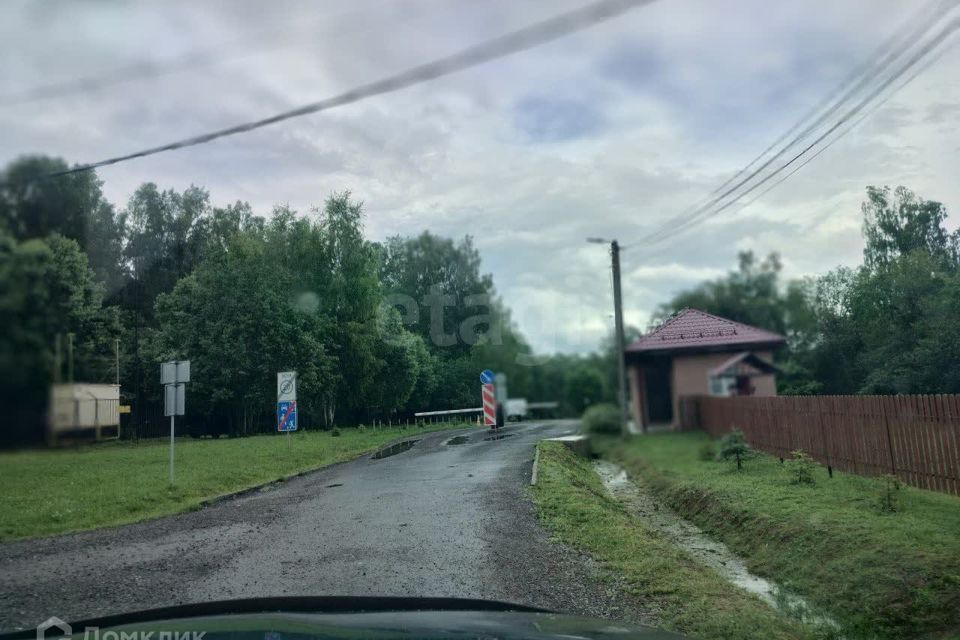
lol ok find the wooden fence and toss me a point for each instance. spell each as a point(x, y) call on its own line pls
point(916, 437)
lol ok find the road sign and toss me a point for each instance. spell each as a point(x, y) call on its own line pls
point(173, 375)
point(287, 386)
point(486, 376)
point(174, 399)
point(175, 371)
point(500, 386)
point(489, 405)
point(287, 416)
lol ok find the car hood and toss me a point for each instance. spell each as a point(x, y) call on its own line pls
point(346, 617)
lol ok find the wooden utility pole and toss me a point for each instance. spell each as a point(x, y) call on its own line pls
point(622, 396)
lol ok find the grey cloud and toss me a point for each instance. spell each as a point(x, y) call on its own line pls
point(631, 123)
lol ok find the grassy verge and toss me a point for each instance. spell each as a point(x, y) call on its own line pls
point(879, 574)
point(689, 597)
point(47, 492)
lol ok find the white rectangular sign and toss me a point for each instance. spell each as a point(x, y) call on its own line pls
point(174, 399)
point(175, 371)
point(168, 372)
point(287, 386)
point(183, 371)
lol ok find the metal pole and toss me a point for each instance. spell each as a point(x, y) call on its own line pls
point(57, 360)
point(70, 358)
point(618, 321)
point(171, 450)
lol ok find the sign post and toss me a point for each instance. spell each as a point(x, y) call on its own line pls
point(286, 401)
point(173, 376)
point(489, 401)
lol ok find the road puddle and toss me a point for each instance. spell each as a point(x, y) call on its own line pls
point(394, 449)
point(458, 440)
point(657, 516)
point(499, 436)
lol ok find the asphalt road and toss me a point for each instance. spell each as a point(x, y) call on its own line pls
point(440, 519)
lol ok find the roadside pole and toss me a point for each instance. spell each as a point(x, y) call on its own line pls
point(171, 449)
point(488, 398)
point(173, 376)
point(618, 323)
point(287, 402)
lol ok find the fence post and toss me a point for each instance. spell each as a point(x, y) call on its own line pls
point(886, 424)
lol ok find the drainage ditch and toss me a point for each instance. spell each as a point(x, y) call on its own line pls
point(657, 516)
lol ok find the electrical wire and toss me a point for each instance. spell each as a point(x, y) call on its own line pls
point(856, 78)
point(926, 49)
point(191, 60)
point(677, 225)
point(514, 42)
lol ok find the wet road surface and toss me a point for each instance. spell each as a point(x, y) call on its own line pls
point(442, 518)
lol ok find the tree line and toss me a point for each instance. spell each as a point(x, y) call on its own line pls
point(375, 330)
point(888, 326)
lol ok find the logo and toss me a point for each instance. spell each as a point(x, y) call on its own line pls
point(60, 629)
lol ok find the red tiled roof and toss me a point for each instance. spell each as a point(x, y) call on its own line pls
point(693, 329)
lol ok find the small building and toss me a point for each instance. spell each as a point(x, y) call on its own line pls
point(697, 353)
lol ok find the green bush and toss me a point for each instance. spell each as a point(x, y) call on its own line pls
point(602, 418)
point(889, 494)
point(733, 446)
point(801, 467)
point(335, 433)
point(707, 451)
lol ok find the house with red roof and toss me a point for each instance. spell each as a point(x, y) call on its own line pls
point(698, 353)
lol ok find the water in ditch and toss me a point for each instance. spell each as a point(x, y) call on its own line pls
point(657, 516)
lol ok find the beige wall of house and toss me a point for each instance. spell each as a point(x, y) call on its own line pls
point(689, 376)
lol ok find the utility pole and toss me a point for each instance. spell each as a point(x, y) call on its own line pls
point(618, 326)
point(57, 360)
point(622, 397)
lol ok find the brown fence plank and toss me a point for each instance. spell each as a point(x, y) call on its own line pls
point(914, 437)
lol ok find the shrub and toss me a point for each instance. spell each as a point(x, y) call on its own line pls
point(801, 467)
point(708, 451)
point(335, 433)
point(733, 446)
point(602, 418)
point(889, 494)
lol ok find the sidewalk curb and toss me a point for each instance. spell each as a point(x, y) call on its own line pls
point(536, 461)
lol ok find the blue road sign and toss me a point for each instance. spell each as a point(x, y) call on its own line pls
point(486, 376)
point(287, 416)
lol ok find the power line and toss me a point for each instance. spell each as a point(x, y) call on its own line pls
point(897, 40)
point(929, 63)
point(499, 47)
point(677, 225)
point(188, 61)
point(926, 49)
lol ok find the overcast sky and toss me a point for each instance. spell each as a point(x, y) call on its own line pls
point(609, 132)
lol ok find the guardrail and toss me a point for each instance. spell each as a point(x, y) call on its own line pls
point(424, 414)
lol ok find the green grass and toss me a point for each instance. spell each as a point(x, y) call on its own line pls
point(47, 492)
point(880, 575)
point(687, 596)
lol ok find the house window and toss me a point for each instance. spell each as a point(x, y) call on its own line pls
point(719, 386)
